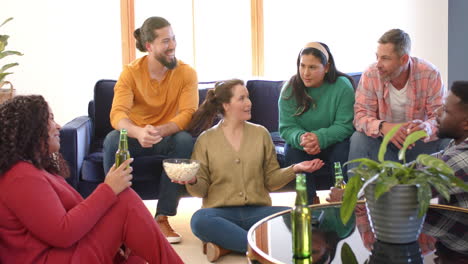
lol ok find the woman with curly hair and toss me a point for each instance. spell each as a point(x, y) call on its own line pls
point(44, 220)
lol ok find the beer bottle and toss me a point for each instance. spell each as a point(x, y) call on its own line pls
point(339, 181)
point(302, 261)
point(300, 222)
point(122, 153)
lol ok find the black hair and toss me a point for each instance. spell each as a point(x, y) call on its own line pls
point(460, 89)
point(299, 89)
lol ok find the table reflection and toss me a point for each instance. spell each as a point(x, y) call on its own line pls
point(444, 239)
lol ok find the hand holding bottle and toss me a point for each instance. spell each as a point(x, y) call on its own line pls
point(120, 178)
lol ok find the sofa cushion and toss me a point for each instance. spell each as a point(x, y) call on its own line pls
point(145, 168)
point(103, 96)
point(264, 96)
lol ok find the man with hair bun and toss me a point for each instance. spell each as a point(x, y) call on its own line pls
point(154, 100)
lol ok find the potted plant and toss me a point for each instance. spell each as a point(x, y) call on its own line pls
point(6, 93)
point(398, 195)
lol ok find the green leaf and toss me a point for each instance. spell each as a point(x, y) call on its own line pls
point(413, 137)
point(424, 197)
point(365, 161)
point(10, 52)
point(392, 164)
point(3, 74)
point(350, 198)
point(347, 255)
point(5, 67)
point(384, 185)
point(386, 139)
point(441, 186)
point(458, 182)
point(433, 162)
point(6, 21)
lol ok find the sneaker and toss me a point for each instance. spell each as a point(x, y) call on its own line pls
point(171, 235)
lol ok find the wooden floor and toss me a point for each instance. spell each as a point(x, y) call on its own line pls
point(190, 249)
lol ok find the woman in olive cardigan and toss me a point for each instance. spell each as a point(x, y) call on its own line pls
point(238, 169)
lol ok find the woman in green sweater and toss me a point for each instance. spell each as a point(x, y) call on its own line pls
point(238, 169)
point(316, 111)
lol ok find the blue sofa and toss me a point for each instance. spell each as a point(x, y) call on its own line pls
point(82, 139)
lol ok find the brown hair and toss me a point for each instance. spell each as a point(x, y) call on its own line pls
point(147, 32)
point(400, 40)
point(204, 117)
point(24, 135)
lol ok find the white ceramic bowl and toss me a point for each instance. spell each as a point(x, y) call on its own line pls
point(181, 169)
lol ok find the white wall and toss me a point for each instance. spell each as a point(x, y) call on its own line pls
point(69, 45)
point(351, 30)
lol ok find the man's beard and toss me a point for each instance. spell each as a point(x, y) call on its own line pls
point(393, 75)
point(445, 134)
point(168, 64)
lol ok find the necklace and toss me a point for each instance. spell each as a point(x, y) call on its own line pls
point(315, 101)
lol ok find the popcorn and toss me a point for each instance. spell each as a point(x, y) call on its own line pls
point(181, 169)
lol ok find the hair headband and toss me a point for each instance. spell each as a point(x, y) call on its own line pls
point(317, 45)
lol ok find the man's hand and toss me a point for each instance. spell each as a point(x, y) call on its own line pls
point(148, 135)
point(336, 195)
point(308, 166)
point(399, 137)
point(417, 125)
point(310, 143)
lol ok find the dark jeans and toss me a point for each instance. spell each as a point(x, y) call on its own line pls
point(228, 226)
point(178, 145)
point(337, 152)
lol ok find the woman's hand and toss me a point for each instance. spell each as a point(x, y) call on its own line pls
point(310, 143)
point(120, 178)
point(308, 166)
point(191, 181)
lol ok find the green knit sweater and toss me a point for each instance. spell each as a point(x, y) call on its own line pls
point(331, 120)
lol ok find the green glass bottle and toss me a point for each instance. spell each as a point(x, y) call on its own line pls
point(302, 261)
point(300, 222)
point(122, 153)
point(339, 180)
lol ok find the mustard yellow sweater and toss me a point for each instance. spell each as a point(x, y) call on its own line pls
point(149, 102)
point(230, 178)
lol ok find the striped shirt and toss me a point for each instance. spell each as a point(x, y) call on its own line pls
point(425, 94)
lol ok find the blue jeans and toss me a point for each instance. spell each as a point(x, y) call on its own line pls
point(336, 152)
point(363, 146)
point(227, 227)
point(178, 145)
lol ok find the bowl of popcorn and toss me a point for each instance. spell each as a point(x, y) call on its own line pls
point(181, 169)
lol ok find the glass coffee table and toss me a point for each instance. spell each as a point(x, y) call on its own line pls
point(269, 241)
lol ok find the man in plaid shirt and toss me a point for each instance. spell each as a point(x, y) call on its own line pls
point(397, 89)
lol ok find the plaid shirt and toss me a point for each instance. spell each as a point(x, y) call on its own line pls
point(456, 156)
point(425, 94)
point(450, 227)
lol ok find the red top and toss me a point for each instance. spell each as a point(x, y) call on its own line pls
point(42, 217)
